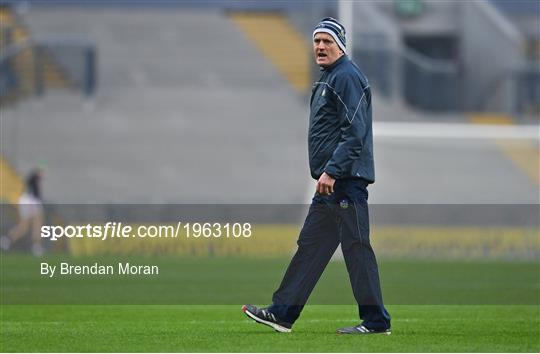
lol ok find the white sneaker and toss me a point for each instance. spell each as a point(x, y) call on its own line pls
point(5, 243)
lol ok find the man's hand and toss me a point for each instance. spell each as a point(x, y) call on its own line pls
point(325, 184)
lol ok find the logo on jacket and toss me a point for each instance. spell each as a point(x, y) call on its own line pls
point(343, 204)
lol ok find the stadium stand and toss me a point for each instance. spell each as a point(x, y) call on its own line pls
point(189, 111)
point(183, 118)
point(193, 108)
point(31, 66)
point(281, 43)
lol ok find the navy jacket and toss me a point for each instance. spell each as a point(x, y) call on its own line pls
point(340, 140)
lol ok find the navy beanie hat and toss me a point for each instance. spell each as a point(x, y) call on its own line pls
point(335, 29)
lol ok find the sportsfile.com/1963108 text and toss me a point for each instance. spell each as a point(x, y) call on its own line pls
point(111, 230)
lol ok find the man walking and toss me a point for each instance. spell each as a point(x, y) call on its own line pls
point(341, 160)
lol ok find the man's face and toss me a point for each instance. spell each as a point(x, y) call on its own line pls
point(325, 49)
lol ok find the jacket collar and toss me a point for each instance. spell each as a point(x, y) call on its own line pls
point(341, 59)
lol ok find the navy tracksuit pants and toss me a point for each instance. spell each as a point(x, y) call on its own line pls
point(341, 217)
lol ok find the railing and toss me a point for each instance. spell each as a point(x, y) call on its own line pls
point(527, 89)
point(8, 79)
point(437, 85)
point(429, 83)
point(378, 62)
point(73, 58)
point(424, 83)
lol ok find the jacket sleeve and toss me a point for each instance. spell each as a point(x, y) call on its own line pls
point(351, 109)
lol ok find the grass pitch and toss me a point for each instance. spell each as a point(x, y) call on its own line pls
point(228, 281)
point(437, 306)
point(223, 328)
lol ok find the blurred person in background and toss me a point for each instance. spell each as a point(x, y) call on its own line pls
point(30, 215)
point(340, 145)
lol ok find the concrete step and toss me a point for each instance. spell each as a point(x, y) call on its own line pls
point(280, 43)
point(12, 183)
